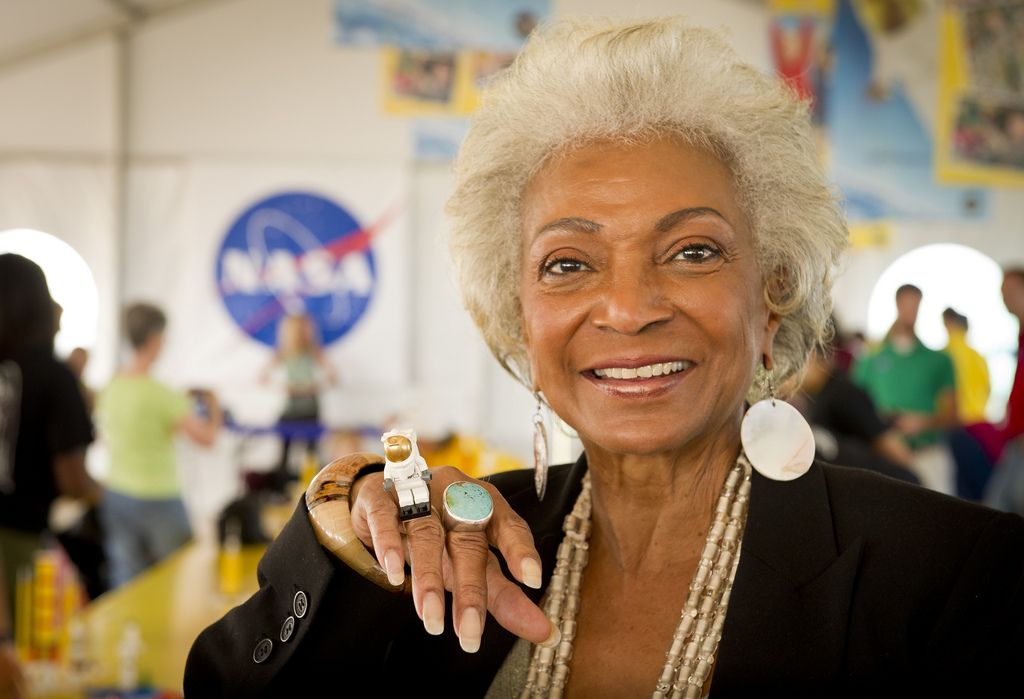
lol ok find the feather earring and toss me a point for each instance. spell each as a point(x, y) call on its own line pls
point(540, 450)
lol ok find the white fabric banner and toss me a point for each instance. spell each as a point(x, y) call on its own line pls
point(180, 217)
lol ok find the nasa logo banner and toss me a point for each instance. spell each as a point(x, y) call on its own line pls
point(296, 252)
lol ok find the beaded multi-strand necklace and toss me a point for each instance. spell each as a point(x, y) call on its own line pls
point(690, 657)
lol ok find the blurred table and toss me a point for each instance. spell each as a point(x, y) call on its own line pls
point(172, 603)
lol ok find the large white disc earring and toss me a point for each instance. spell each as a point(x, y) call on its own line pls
point(540, 451)
point(776, 438)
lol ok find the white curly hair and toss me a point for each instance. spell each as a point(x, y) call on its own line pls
point(578, 81)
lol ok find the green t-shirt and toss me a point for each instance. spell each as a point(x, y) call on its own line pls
point(138, 416)
point(910, 382)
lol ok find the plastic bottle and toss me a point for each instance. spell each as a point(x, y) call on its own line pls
point(129, 648)
point(310, 467)
point(231, 559)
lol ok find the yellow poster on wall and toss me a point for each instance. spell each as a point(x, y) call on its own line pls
point(980, 131)
point(436, 83)
point(420, 82)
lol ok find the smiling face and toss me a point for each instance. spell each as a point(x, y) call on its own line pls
point(642, 301)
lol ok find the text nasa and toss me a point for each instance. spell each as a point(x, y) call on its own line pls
point(313, 273)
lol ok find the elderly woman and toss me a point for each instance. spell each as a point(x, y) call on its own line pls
point(644, 236)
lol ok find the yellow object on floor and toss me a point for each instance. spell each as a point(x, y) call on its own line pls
point(468, 454)
point(171, 603)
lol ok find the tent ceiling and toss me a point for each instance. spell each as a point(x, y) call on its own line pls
point(31, 28)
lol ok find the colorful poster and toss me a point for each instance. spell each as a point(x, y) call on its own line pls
point(879, 115)
point(981, 97)
point(800, 48)
point(418, 82)
point(802, 55)
point(436, 83)
point(480, 66)
point(439, 25)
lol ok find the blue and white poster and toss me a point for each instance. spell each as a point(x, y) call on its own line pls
point(228, 249)
point(880, 147)
point(439, 25)
point(296, 252)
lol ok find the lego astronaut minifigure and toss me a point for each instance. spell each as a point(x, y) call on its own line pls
point(406, 471)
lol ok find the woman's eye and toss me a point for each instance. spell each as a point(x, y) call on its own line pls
point(698, 252)
point(564, 266)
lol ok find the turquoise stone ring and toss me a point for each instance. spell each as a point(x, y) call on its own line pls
point(467, 507)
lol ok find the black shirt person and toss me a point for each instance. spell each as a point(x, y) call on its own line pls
point(44, 425)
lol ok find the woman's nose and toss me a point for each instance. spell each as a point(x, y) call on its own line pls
point(629, 303)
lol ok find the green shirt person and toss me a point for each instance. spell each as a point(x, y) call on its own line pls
point(914, 386)
point(143, 515)
point(140, 417)
point(910, 383)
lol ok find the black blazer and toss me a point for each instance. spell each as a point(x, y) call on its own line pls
point(849, 584)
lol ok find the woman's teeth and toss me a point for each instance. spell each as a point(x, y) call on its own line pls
point(642, 372)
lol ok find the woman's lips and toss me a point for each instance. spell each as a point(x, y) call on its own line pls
point(634, 379)
point(645, 371)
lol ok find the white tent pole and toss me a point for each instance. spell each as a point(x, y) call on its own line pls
point(123, 143)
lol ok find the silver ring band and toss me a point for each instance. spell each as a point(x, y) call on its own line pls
point(467, 507)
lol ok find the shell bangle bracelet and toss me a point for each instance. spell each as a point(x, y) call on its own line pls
point(327, 500)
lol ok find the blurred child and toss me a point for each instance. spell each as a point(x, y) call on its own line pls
point(300, 354)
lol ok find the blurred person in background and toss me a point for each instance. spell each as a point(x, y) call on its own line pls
point(914, 386)
point(995, 437)
point(973, 467)
point(77, 361)
point(300, 355)
point(847, 349)
point(1005, 441)
point(143, 515)
point(847, 428)
point(971, 370)
point(44, 425)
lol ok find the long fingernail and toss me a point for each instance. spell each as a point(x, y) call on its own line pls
point(531, 573)
point(470, 630)
point(394, 568)
point(433, 614)
point(553, 639)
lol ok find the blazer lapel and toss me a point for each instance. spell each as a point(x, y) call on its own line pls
point(790, 602)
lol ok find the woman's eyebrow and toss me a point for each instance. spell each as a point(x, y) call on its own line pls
point(670, 221)
point(572, 223)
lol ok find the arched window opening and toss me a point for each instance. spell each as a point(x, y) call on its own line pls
point(962, 278)
point(70, 280)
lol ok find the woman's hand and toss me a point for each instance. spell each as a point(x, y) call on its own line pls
point(461, 562)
